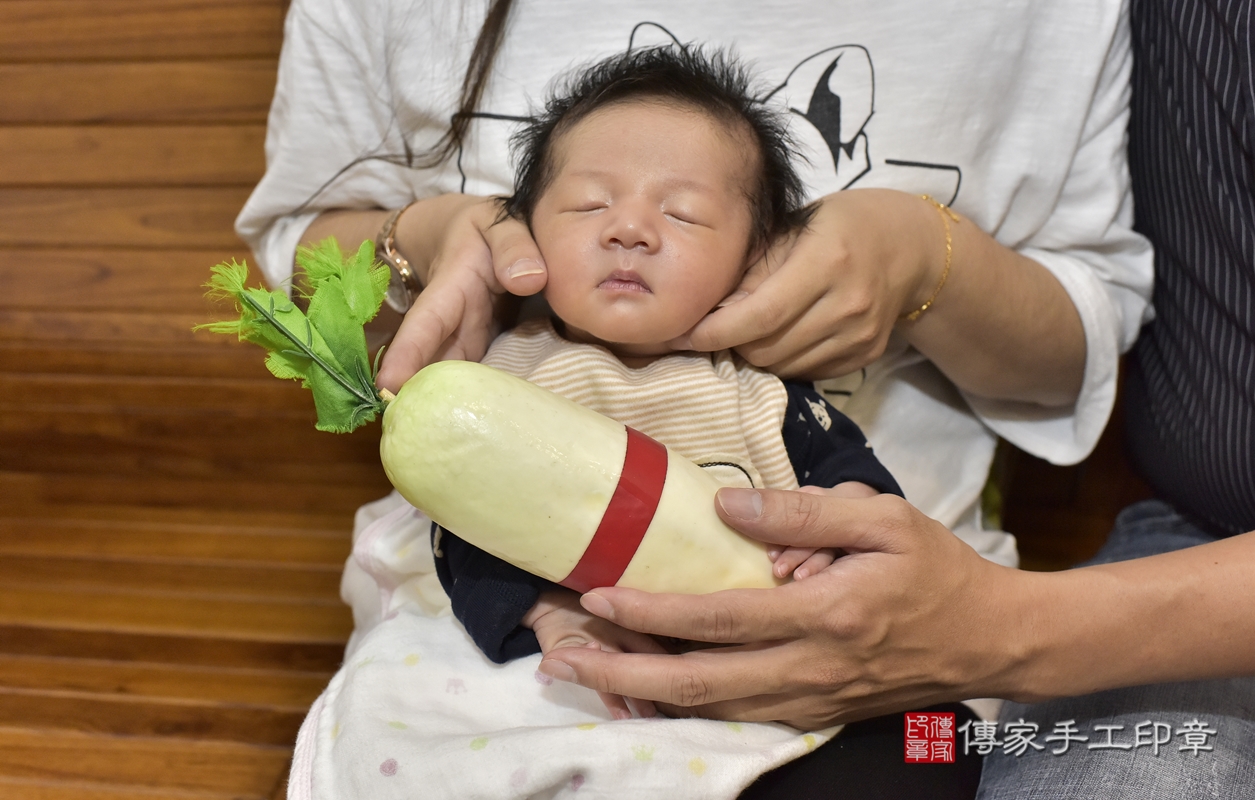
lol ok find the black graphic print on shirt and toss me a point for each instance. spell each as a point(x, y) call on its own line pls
point(831, 94)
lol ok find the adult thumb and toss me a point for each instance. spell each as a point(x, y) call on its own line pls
point(516, 259)
point(803, 519)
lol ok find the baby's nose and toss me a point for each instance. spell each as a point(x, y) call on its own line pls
point(632, 226)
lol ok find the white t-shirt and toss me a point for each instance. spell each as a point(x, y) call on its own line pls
point(1012, 111)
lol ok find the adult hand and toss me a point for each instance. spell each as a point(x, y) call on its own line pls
point(909, 617)
point(469, 263)
point(823, 303)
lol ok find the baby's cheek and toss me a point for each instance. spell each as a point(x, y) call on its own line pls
point(691, 305)
point(562, 299)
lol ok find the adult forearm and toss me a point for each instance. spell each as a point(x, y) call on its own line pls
point(1002, 326)
point(1186, 615)
point(419, 230)
point(349, 226)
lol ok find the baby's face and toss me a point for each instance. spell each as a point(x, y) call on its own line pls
point(646, 224)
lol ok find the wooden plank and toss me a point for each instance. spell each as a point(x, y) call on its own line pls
point(143, 761)
point(335, 524)
point(127, 358)
point(214, 91)
point(164, 612)
point(164, 155)
point(110, 457)
point(220, 440)
point(128, 328)
point(238, 582)
point(154, 541)
point(280, 791)
point(38, 789)
point(200, 217)
point(233, 445)
point(45, 30)
point(145, 716)
point(257, 431)
point(294, 691)
point(315, 660)
point(152, 281)
point(140, 466)
point(259, 495)
point(110, 394)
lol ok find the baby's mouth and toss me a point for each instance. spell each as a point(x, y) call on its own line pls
point(622, 280)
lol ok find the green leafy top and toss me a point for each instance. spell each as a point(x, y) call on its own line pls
point(325, 348)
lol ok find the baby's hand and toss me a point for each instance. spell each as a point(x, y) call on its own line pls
point(803, 562)
point(559, 621)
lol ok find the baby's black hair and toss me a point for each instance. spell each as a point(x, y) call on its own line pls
point(715, 83)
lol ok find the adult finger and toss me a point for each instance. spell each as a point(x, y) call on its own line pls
point(802, 519)
point(772, 305)
point(516, 259)
point(841, 697)
point(619, 706)
point(428, 325)
point(845, 327)
point(733, 616)
point(816, 353)
point(692, 679)
point(800, 712)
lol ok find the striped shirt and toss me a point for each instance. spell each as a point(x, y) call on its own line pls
point(706, 407)
point(1191, 383)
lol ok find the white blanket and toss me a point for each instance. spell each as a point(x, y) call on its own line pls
point(418, 711)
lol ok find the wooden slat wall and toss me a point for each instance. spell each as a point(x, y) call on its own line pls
point(172, 528)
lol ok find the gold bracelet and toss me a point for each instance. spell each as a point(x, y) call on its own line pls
point(944, 211)
point(403, 286)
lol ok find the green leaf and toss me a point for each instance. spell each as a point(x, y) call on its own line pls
point(325, 350)
point(287, 364)
point(338, 410)
point(362, 281)
point(346, 294)
point(330, 314)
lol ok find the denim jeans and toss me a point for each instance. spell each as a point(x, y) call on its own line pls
point(1120, 758)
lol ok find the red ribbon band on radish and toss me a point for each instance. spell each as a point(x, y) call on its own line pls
point(631, 509)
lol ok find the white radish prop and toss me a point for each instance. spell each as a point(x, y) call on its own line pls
point(527, 475)
point(561, 491)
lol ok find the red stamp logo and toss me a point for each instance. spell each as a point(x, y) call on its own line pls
point(929, 738)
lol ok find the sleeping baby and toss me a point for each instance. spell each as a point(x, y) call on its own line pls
point(651, 182)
